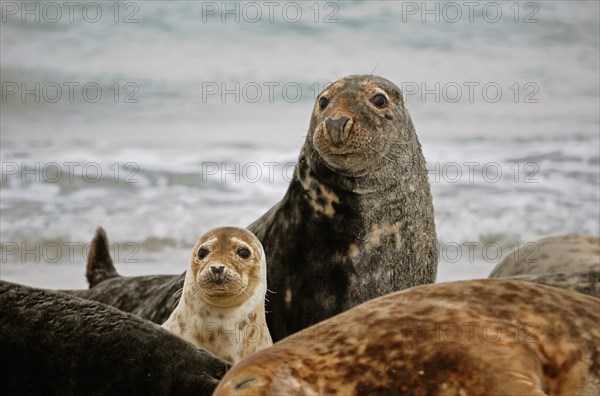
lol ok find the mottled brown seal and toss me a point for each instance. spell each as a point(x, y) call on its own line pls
point(481, 337)
point(54, 344)
point(222, 304)
point(562, 253)
point(356, 222)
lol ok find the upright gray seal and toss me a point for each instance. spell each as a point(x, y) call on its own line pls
point(53, 344)
point(356, 222)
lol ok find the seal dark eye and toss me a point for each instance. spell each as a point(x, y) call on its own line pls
point(244, 253)
point(203, 252)
point(323, 102)
point(379, 100)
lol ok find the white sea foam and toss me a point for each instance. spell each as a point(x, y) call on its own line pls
point(164, 142)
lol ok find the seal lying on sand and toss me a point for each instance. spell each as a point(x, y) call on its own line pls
point(356, 222)
point(563, 253)
point(571, 262)
point(586, 282)
point(53, 344)
point(222, 305)
point(482, 337)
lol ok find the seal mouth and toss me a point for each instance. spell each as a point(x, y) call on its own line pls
point(340, 160)
point(214, 284)
point(218, 286)
point(218, 281)
point(219, 292)
point(341, 154)
point(226, 284)
point(340, 145)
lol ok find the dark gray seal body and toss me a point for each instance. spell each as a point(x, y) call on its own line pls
point(356, 222)
point(53, 344)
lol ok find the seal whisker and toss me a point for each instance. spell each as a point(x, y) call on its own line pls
point(246, 293)
point(312, 155)
point(177, 295)
point(375, 68)
point(398, 141)
point(193, 290)
point(382, 154)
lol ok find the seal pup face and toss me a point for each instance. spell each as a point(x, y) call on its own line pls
point(227, 266)
point(355, 123)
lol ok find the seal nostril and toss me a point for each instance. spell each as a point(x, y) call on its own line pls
point(337, 124)
point(335, 127)
point(217, 269)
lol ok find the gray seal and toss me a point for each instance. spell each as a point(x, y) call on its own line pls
point(356, 222)
point(586, 282)
point(570, 262)
point(54, 344)
point(560, 253)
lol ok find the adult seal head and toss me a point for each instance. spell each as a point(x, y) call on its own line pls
point(222, 305)
point(482, 337)
point(356, 222)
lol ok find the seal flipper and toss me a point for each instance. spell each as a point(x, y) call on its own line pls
point(99, 263)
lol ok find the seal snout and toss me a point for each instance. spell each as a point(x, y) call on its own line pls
point(338, 129)
point(217, 269)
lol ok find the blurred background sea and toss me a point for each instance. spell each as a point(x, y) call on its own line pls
point(162, 119)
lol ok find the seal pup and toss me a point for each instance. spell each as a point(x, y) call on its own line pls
point(356, 221)
point(55, 344)
point(222, 305)
point(562, 253)
point(481, 337)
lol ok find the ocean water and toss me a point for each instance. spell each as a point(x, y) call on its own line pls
point(160, 120)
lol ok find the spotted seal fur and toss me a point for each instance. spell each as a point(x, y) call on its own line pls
point(481, 337)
